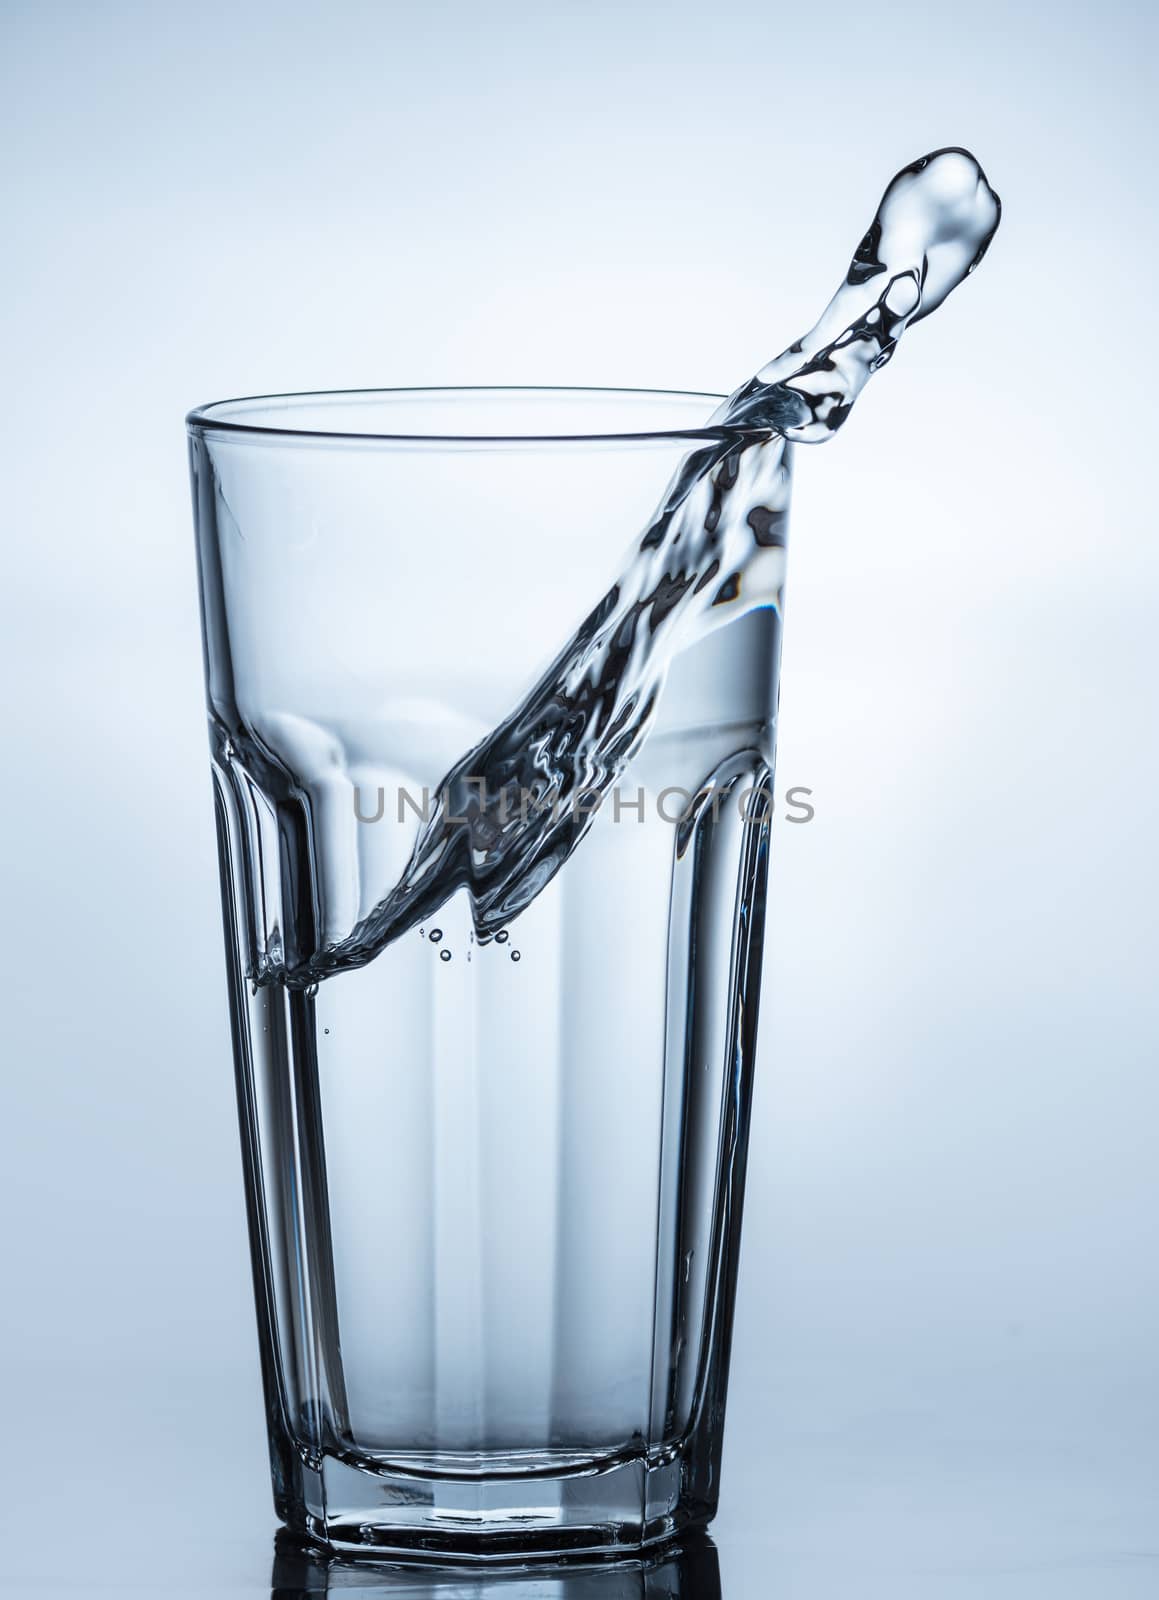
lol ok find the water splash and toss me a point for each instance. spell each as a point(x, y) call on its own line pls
point(509, 814)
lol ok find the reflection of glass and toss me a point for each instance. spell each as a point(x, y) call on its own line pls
point(690, 1571)
point(494, 1188)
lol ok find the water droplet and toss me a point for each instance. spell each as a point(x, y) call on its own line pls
point(435, 935)
point(515, 956)
point(444, 955)
point(502, 936)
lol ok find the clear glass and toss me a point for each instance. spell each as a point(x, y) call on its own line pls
point(494, 1186)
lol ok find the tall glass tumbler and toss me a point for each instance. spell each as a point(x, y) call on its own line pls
point(494, 1183)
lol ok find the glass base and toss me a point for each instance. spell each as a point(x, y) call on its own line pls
point(685, 1569)
point(617, 1505)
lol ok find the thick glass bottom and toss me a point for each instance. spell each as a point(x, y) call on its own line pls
point(617, 1505)
point(687, 1568)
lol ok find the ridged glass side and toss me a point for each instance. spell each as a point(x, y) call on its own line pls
point(496, 1203)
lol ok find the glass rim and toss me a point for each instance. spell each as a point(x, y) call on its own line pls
point(206, 418)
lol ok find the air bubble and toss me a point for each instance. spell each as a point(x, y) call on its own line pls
point(444, 955)
point(515, 956)
point(310, 991)
point(325, 1030)
point(435, 935)
point(502, 936)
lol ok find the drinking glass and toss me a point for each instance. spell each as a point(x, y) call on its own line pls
point(494, 1184)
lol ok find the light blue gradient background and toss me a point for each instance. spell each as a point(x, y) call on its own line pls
point(947, 1351)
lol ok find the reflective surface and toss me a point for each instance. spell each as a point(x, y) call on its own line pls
point(688, 1571)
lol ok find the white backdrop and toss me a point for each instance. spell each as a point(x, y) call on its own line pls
point(945, 1368)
